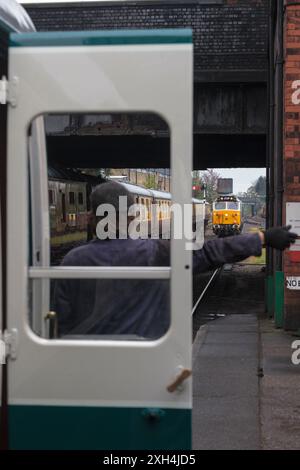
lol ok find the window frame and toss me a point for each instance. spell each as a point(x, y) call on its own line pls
point(72, 198)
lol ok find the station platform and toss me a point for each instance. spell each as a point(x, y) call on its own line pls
point(246, 390)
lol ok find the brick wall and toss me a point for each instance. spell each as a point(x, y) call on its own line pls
point(228, 35)
point(291, 147)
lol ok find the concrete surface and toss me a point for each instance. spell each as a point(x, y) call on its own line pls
point(246, 392)
point(279, 390)
point(225, 396)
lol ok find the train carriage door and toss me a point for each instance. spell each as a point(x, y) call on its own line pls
point(74, 391)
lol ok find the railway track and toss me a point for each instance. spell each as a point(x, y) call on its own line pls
point(201, 296)
point(234, 289)
point(199, 315)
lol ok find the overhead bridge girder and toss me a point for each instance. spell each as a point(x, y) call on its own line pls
point(210, 151)
point(235, 108)
point(229, 131)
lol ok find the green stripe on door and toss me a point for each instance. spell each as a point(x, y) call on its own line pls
point(94, 428)
point(102, 38)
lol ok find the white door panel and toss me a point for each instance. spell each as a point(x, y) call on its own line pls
point(154, 78)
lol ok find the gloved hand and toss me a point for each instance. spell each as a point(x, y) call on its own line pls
point(280, 237)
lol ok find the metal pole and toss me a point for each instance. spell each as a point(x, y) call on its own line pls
point(278, 264)
point(279, 133)
point(269, 303)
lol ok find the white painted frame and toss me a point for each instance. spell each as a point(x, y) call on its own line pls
point(0, 304)
point(84, 272)
point(152, 78)
point(39, 202)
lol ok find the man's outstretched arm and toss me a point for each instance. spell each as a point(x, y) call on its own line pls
point(219, 251)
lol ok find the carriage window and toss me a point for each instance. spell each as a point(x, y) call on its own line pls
point(93, 160)
point(220, 206)
point(72, 198)
point(51, 196)
point(80, 198)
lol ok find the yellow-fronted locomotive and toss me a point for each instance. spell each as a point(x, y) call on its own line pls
point(227, 216)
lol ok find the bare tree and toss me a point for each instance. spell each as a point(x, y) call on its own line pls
point(210, 179)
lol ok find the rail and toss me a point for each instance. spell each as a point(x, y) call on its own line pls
point(213, 276)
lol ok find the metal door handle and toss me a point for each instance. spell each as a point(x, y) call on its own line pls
point(179, 379)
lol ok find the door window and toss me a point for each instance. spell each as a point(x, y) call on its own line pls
point(90, 234)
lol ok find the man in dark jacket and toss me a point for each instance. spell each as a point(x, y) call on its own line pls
point(138, 307)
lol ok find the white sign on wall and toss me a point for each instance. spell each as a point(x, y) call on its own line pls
point(293, 283)
point(293, 219)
